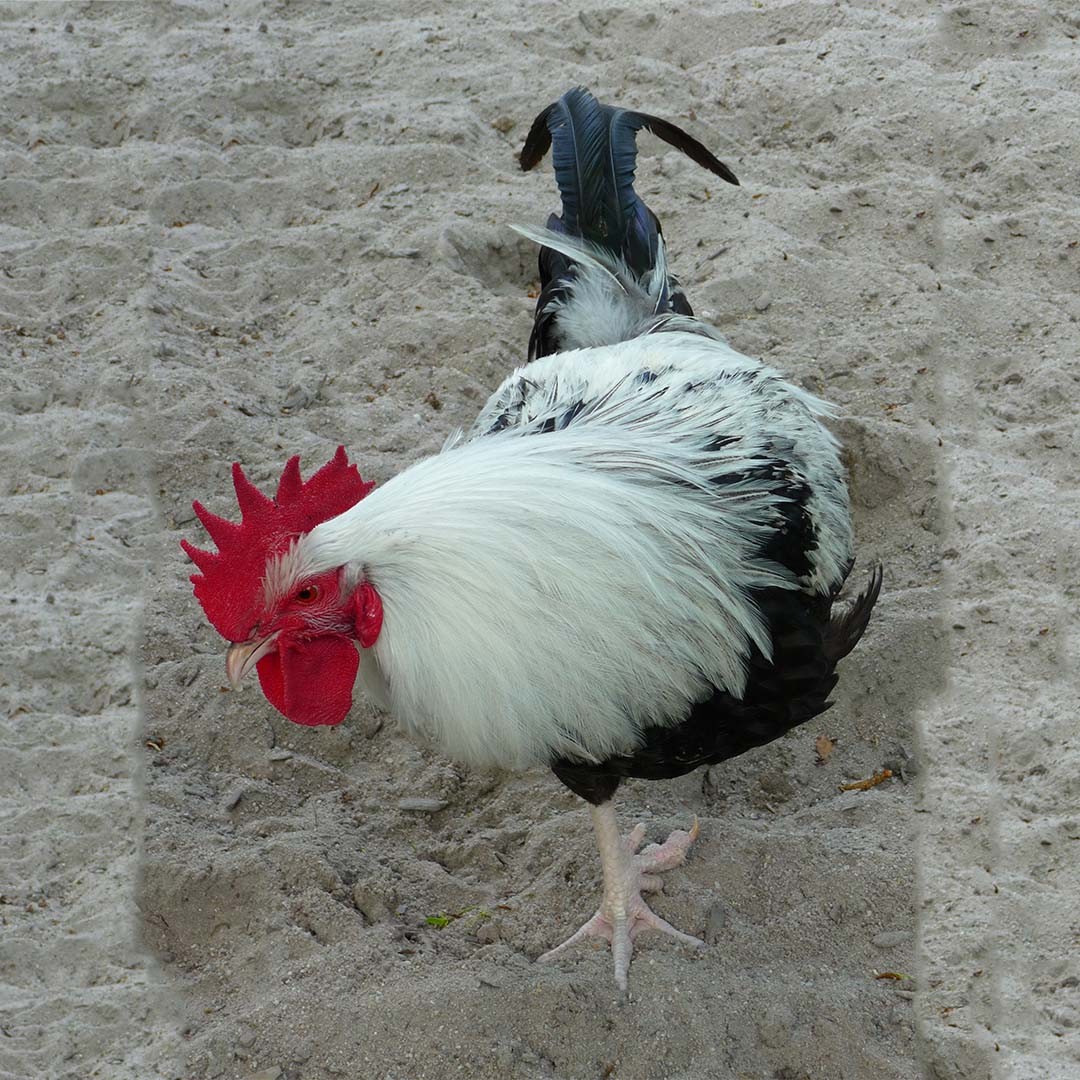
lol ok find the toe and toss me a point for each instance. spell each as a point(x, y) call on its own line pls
point(622, 949)
point(671, 853)
point(650, 883)
point(647, 919)
point(597, 926)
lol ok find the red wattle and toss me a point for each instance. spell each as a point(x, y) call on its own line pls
point(311, 682)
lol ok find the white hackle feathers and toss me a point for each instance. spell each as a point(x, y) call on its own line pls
point(551, 595)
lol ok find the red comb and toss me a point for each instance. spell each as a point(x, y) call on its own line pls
point(230, 585)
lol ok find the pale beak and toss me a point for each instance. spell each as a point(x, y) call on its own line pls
point(242, 656)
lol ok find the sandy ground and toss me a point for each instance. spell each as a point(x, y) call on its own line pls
point(242, 231)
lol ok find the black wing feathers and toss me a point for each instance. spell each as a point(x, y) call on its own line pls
point(783, 691)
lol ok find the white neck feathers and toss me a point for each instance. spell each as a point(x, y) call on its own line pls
point(540, 601)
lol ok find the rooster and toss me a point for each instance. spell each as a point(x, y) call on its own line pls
point(625, 568)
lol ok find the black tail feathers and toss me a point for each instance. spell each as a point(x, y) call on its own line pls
point(594, 153)
point(844, 631)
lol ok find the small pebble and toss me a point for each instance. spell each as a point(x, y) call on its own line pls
point(488, 933)
point(763, 302)
point(232, 798)
point(280, 755)
point(715, 922)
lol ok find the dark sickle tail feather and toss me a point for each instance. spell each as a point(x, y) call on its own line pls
point(594, 152)
point(844, 632)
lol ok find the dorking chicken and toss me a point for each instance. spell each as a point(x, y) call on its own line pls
point(625, 568)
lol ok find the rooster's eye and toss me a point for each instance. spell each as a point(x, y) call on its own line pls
point(307, 594)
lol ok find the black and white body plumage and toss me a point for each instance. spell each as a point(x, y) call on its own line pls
point(727, 469)
point(627, 566)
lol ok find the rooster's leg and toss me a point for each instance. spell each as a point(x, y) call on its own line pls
point(623, 913)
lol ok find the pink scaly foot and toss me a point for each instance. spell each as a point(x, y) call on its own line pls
point(623, 914)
